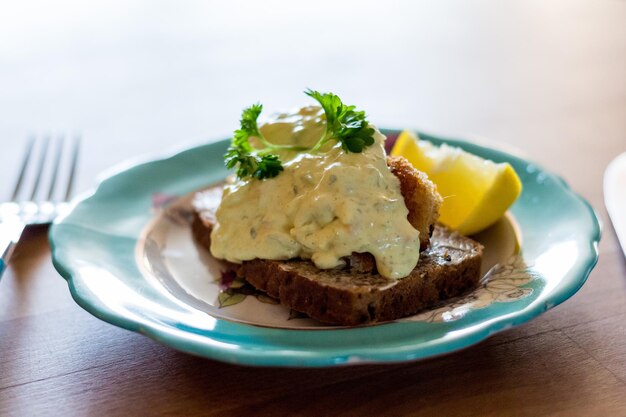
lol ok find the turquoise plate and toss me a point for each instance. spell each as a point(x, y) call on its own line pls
point(128, 257)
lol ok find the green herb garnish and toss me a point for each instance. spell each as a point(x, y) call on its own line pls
point(344, 124)
point(251, 162)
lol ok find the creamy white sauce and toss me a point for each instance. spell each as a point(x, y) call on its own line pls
point(322, 207)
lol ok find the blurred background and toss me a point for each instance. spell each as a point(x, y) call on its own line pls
point(137, 77)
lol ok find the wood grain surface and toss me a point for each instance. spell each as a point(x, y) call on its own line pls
point(545, 78)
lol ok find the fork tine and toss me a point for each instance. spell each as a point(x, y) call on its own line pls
point(25, 161)
point(55, 168)
point(70, 181)
point(40, 168)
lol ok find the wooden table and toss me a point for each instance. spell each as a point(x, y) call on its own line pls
point(547, 78)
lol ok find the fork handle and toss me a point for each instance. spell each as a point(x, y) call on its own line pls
point(10, 233)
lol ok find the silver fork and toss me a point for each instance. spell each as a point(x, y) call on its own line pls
point(47, 160)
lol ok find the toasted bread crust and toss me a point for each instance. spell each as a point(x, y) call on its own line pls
point(354, 295)
point(450, 267)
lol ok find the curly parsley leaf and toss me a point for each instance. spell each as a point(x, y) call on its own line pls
point(253, 164)
point(248, 128)
point(241, 155)
point(268, 166)
point(343, 123)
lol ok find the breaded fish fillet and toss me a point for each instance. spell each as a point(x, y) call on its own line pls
point(420, 196)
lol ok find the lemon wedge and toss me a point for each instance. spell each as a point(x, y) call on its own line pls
point(476, 192)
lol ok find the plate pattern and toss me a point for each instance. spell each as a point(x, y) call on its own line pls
point(503, 283)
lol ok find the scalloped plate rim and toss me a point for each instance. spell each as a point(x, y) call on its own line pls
point(242, 354)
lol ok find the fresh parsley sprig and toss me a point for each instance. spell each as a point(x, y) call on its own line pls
point(344, 124)
point(251, 162)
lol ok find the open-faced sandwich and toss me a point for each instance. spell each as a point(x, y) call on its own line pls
point(320, 218)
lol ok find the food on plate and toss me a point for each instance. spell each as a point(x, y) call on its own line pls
point(355, 294)
point(321, 219)
point(476, 191)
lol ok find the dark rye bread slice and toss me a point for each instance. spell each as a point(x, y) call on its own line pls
point(449, 267)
